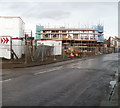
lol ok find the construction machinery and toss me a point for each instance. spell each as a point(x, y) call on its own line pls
point(72, 51)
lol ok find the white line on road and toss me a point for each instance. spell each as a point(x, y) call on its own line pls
point(5, 80)
point(90, 59)
point(48, 70)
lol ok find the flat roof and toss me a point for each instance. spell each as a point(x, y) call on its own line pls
point(11, 17)
point(72, 29)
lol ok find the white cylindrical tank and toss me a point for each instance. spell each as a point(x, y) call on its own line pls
point(12, 26)
point(17, 46)
point(23, 46)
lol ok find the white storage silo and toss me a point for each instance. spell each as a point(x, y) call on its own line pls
point(14, 27)
point(17, 47)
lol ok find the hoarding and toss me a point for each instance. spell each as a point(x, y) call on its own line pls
point(57, 50)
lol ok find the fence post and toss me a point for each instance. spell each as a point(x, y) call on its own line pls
point(42, 52)
point(26, 51)
point(54, 53)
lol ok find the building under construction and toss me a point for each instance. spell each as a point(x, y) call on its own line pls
point(76, 40)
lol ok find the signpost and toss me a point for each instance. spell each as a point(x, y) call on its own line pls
point(4, 40)
point(5, 47)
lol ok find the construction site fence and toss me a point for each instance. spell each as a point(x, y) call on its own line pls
point(44, 53)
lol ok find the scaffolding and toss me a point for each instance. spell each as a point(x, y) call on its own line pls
point(84, 39)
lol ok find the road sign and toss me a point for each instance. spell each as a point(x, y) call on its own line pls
point(4, 40)
point(5, 47)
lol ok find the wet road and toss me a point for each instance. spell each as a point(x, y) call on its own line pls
point(81, 82)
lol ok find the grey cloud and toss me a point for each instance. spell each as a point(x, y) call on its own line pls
point(24, 6)
point(56, 10)
point(52, 14)
point(15, 7)
point(37, 10)
point(57, 15)
point(59, 12)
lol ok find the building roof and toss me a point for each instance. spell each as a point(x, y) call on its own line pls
point(72, 29)
point(11, 17)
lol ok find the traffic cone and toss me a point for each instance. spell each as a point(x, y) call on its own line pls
point(71, 55)
point(48, 54)
point(76, 55)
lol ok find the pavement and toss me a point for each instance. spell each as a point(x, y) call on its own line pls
point(20, 63)
point(11, 64)
point(77, 82)
point(115, 98)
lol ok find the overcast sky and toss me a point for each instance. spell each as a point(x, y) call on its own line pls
point(72, 14)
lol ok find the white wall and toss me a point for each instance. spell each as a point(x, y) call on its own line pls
point(58, 48)
point(46, 42)
point(57, 45)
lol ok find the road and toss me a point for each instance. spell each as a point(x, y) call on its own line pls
point(80, 82)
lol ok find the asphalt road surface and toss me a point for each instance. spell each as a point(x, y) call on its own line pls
point(80, 82)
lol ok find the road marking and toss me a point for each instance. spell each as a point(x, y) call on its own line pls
point(48, 70)
point(5, 80)
point(91, 59)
